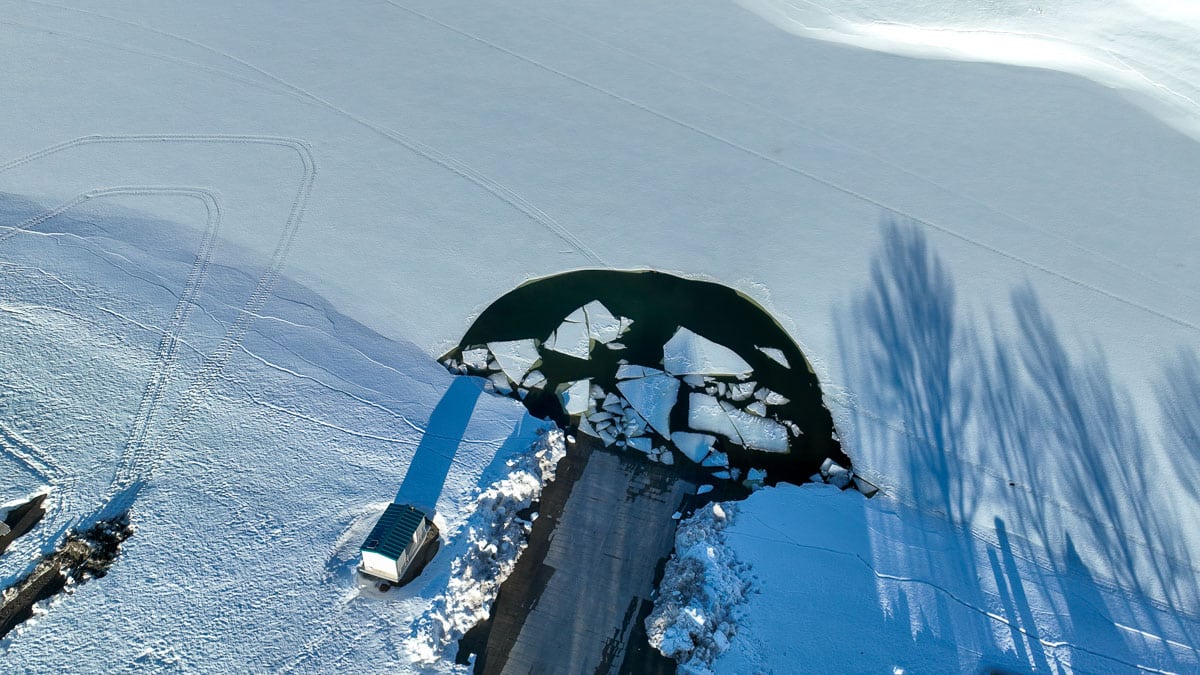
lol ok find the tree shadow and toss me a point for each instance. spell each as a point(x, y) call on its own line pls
point(1015, 425)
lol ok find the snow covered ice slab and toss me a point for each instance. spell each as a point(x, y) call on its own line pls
point(708, 413)
point(775, 355)
point(576, 396)
point(516, 357)
point(695, 446)
point(571, 337)
point(687, 353)
point(603, 327)
point(652, 397)
point(910, 591)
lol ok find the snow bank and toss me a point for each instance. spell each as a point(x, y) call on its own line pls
point(496, 535)
point(1147, 48)
point(699, 599)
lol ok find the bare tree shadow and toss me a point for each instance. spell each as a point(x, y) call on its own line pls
point(1017, 426)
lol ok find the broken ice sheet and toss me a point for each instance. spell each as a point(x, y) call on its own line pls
point(515, 357)
point(653, 397)
point(687, 353)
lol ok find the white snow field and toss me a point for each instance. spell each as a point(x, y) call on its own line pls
point(244, 232)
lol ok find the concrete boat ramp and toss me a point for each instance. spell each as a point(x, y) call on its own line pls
point(577, 598)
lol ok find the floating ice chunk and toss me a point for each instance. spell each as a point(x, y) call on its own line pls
point(696, 381)
point(616, 345)
point(642, 443)
point(687, 353)
point(771, 397)
point(758, 408)
point(755, 478)
point(721, 474)
point(608, 435)
point(741, 391)
point(612, 403)
point(775, 355)
point(500, 383)
point(627, 371)
point(625, 324)
point(515, 357)
point(571, 337)
point(534, 380)
point(653, 397)
point(596, 418)
point(704, 489)
point(707, 413)
point(632, 423)
point(794, 428)
point(695, 446)
point(585, 427)
point(574, 396)
point(716, 459)
point(476, 358)
point(667, 457)
point(603, 327)
point(835, 474)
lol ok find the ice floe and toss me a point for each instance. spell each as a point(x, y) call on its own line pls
point(687, 353)
point(694, 446)
point(775, 355)
point(652, 396)
point(516, 357)
point(708, 413)
point(574, 396)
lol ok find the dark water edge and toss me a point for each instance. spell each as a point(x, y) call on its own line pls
point(659, 304)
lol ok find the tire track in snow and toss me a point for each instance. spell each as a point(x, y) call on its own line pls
point(135, 455)
point(444, 160)
point(946, 230)
point(139, 460)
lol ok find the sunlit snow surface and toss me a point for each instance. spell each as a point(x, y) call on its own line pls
point(1041, 376)
point(1147, 47)
point(249, 523)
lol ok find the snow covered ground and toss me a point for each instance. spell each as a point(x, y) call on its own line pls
point(884, 587)
point(409, 161)
point(248, 522)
